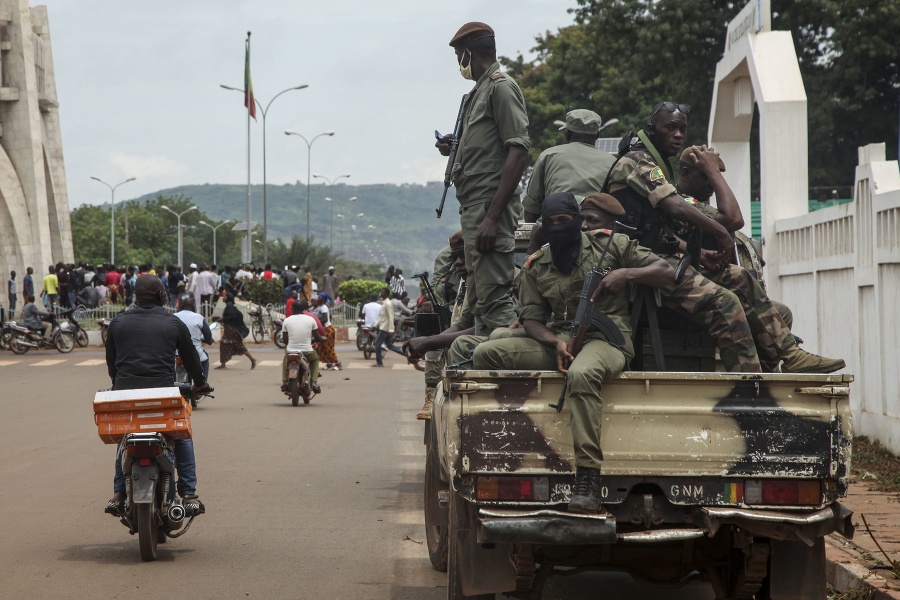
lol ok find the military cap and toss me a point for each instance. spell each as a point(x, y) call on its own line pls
point(457, 238)
point(470, 32)
point(688, 157)
point(604, 202)
point(582, 120)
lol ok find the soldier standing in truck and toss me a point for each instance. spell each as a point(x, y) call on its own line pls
point(551, 283)
point(489, 163)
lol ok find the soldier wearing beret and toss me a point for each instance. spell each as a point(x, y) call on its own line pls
point(489, 163)
point(701, 177)
point(576, 166)
point(549, 293)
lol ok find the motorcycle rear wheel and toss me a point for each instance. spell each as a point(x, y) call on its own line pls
point(368, 351)
point(64, 341)
point(16, 345)
point(294, 389)
point(5, 339)
point(279, 341)
point(148, 536)
point(81, 338)
point(360, 341)
point(104, 332)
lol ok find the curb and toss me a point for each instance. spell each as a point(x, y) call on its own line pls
point(845, 571)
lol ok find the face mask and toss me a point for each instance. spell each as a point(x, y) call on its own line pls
point(565, 242)
point(466, 71)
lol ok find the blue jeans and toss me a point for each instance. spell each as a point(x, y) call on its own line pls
point(384, 339)
point(185, 464)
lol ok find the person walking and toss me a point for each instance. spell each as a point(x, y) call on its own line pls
point(11, 294)
point(327, 353)
point(232, 343)
point(28, 286)
point(330, 284)
point(50, 289)
point(385, 326)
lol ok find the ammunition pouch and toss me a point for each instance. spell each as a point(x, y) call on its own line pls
point(651, 223)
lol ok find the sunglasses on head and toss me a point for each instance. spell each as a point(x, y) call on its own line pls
point(672, 107)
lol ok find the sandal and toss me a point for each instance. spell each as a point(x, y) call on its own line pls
point(192, 504)
point(252, 363)
point(116, 505)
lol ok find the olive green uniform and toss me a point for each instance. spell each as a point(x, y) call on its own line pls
point(574, 167)
point(444, 279)
point(494, 119)
point(718, 309)
point(548, 294)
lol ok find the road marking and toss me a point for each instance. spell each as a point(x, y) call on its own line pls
point(91, 363)
point(47, 363)
point(357, 365)
point(9, 363)
point(269, 363)
point(406, 366)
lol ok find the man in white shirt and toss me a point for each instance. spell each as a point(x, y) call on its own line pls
point(385, 326)
point(370, 311)
point(299, 331)
point(200, 332)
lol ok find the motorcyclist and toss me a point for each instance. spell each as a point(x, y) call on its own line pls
point(299, 331)
point(198, 328)
point(140, 354)
point(33, 318)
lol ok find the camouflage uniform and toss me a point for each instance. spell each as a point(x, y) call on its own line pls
point(444, 279)
point(548, 294)
point(639, 174)
point(574, 167)
point(494, 120)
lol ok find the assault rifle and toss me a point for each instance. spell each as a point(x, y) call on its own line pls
point(691, 255)
point(588, 316)
point(454, 146)
point(442, 310)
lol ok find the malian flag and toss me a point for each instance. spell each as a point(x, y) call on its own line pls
point(249, 100)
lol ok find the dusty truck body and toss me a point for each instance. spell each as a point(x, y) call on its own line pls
point(729, 478)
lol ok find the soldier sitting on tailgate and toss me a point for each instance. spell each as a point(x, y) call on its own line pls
point(552, 280)
point(700, 178)
point(642, 181)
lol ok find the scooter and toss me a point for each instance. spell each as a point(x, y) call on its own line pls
point(298, 383)
point(24, 339)
point(152, 509)
point(104, 329)
point(276, 333)
point(360, 334)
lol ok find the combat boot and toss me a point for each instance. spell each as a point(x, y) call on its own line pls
point(586, 493)
point(425, 413)
point(797, 360)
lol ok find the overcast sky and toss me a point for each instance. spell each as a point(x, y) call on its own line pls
point(139, 94)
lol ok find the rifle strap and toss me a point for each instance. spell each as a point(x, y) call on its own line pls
point(470, 102)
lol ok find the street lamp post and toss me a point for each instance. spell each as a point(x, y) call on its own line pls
point(265, 111)
point(309, 144)
point(214, 229)
point(180, 243)
point(112, 216)
point(331, 183)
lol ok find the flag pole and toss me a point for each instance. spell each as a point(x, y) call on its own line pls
point(248, 94)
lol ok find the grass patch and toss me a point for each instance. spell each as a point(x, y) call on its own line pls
point(875, 465)
point(854, 594)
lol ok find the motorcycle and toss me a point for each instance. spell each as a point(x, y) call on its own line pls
point(60, 337)
point(104, 329)
point(182, 377)
point(81, 336)
point(360, 334)
point(152, 509)
point(6, 334)
point(298, 383)
point(276, 333)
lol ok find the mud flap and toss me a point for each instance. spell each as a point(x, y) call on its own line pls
point(796, 571)
point(143, 483)
point(484, 570)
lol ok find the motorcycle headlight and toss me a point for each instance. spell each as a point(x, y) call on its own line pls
point(64, 325)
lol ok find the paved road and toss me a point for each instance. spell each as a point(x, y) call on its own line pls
point(314, 502)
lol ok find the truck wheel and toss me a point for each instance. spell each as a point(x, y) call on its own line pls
point(435, 535)
point(458, 520)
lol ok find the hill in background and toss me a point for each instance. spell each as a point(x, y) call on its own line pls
point(405, 229)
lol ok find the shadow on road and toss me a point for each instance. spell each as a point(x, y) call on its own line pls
point(122, 553)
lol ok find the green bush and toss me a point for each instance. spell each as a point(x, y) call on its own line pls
point(356, 291)
point(263, 291)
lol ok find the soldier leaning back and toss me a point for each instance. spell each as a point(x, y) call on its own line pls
point(549, 290)
point(489, 163)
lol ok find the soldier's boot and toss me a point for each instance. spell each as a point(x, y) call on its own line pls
point(425, 413)
point(797, 360)
point(586, 493)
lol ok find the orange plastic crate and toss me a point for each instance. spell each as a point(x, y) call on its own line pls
point(112, 433)
point(151, 399)
point(142, 416)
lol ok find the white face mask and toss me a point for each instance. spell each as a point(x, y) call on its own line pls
point(466, 71)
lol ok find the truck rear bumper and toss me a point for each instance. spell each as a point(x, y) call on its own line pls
point(495, 526)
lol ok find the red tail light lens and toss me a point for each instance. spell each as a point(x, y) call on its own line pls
point(780, 492)
point(147, 451)
point(513, 488)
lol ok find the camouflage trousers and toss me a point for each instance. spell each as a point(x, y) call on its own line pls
point(720, 311)
point(597, 362)
point(770, 331)
point(434, 363)
point(490, 273)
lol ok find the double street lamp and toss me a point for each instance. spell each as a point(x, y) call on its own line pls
point(331, 183)
point(180, 242)
point(214, 229)
point(112, 216)
point(309, 144)
point(265, 111)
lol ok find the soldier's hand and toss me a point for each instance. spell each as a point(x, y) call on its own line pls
point(486, 237)
point(443, 145)
point(614, 282)
point(425, 307)
point(712, 260)
point(413, 348)
point(563, 356)
point(706, 160)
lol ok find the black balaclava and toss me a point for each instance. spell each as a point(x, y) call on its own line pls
point(564, 238)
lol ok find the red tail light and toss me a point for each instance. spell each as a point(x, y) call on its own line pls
point(144, 462)
point(143, 451)
point(513, 488)
point(774, 492)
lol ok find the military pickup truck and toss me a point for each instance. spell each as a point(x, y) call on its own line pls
point(730, 478)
